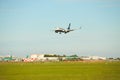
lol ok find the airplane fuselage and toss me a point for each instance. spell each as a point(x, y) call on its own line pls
point(61, 30)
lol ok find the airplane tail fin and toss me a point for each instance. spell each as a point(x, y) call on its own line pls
point(69, 26)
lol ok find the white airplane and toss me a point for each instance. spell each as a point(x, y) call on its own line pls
point(61, 30)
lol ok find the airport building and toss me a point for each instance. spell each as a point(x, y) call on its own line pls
point(41, 57)
point(93, 58)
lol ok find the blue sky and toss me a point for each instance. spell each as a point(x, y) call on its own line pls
point(26, 27)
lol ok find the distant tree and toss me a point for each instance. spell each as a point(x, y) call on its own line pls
point(64, 55)
point(118, 58)
point(74, 55)
point(111, 58)
point(48, 55)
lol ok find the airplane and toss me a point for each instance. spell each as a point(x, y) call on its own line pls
point(61, 30)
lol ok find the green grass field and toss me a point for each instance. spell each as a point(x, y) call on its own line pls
point(60, 71)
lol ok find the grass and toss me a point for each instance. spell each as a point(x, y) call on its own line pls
point(60, 71)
